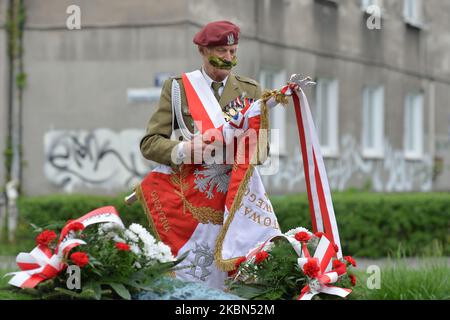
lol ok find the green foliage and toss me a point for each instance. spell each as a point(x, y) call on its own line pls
point(370, 224)
point(15, 24)
point(278, 276)
point(8, 154)
point(375, 224)
point(21, 80)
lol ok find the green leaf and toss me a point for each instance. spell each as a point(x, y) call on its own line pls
point(248, 292)
point(95, 287)
point(121, 290)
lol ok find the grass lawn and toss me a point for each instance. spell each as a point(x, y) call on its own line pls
point(5, 289)
point(429, 281)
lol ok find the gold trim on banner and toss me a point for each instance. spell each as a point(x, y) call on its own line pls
point(229, 264)
point(153, 230)
point(151, 222)
point(203, 215)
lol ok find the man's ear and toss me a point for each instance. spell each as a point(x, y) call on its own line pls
point(202, 50)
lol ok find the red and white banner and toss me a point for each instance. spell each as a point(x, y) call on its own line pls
point(220, 212)
point(217, 212)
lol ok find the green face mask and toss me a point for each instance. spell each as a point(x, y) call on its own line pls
point(221, 63)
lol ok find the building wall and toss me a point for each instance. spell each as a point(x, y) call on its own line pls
point(81, 134)
point(335, 43)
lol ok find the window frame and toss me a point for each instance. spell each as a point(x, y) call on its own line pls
point(332, 148)
point(277, 115)
point(417, 20)
point(378, 93)
point(410, 104)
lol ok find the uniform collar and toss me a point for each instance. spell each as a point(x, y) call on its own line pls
point(210, 81)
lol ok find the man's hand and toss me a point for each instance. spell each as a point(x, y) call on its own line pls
point(195, 151)
point(195, 148)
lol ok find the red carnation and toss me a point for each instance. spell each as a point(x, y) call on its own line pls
point(122, 246)
point(76, 226)
point(350, 260)
point(339, 267)
point(239, 261)
point(80, 258)
point(302, 236)
point(311, 268)
point(337, 264)
point(45, 237)
point(319, 234)
point(261, 256)
point(352, 279)
point(336, 248)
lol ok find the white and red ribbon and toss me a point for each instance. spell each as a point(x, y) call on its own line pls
point(317, 186)
point(322, 283)
point(42, 264)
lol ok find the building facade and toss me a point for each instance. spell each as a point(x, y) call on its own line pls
point(381, 104)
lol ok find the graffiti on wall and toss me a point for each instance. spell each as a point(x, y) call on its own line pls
point(100, 158)
point(105, 159)
point(391, 173)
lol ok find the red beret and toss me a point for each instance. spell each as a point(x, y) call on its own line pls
point(218, 33)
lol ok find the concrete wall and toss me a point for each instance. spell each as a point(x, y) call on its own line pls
point(333, 41)
point(3, 90)
point(438, 43)
point(78, 119)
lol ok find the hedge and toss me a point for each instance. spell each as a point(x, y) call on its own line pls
point(370, 224)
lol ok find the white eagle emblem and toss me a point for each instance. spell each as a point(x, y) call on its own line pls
point(214, 176)
point(230, 38)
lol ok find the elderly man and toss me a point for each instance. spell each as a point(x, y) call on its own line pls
point(217, 44)
point(193, 205)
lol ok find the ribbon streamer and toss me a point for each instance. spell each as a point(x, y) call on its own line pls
point(317, 186)
point(321, 283)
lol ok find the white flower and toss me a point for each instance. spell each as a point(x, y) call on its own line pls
point(116, 238)
point(131, 236)
point(137, 265)
point(292, 232)
point(152, 250)
point(109, 226)
point(165, 254)
point(143, 234)
point(135, 249)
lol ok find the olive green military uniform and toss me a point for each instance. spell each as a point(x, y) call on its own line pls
point(156, 144)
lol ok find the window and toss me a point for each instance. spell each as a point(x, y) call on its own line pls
point(412, 12)
point(373, 122)
point(277, 117)
point(366, 4)
point(413, 135)
point(326, 115)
